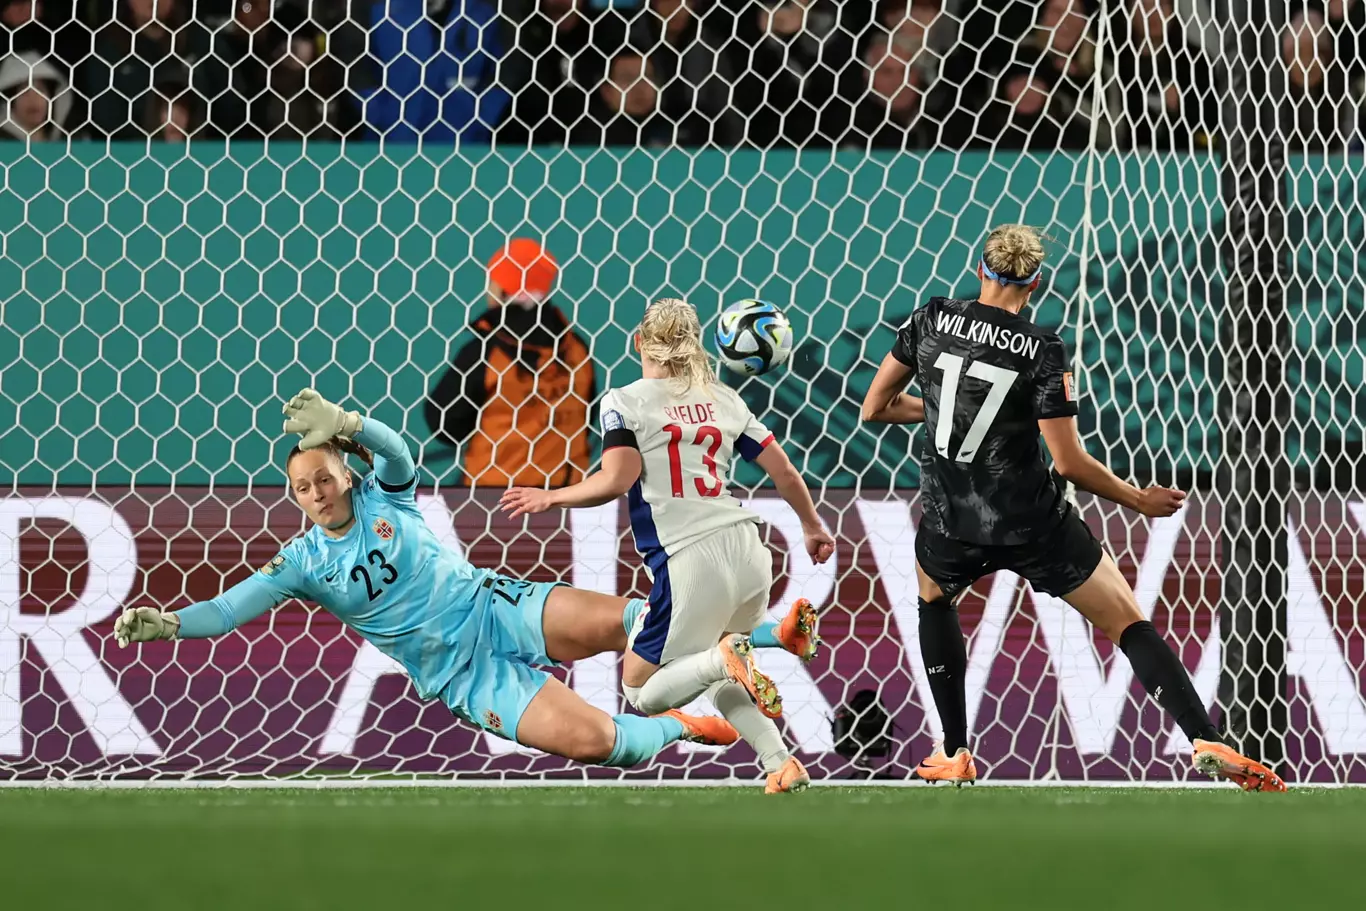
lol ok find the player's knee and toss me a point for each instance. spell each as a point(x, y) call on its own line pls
point(1123, 614)
point(595, 743)
point(635, 697)
point(647, 705)
point(942, 603)
point(590, 743)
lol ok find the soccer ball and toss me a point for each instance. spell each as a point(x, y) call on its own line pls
point(753, 337)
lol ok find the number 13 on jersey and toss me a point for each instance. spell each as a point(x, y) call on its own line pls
point(707, 436)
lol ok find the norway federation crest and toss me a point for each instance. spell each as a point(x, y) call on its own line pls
point(383, 529)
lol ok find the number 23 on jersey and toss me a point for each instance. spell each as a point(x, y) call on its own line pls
point(384, 573)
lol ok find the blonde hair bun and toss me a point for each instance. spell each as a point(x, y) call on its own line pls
point(1013, 252)
point(671, 336)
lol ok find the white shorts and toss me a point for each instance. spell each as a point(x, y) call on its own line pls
point(714, 586)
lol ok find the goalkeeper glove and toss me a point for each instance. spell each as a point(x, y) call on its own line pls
point(317, 420)
point(143, 624)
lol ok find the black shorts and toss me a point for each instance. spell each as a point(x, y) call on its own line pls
point(1056, 564)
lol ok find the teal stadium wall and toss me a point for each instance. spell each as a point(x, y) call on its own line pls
point(159, 306)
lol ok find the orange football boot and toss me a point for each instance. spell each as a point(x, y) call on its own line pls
point(712, 731)
point(1219, 761)
point(738, 653)
point(797, 632)
point(789, 779)
point(959, 769)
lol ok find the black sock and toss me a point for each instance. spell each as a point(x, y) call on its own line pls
point(946, 661)
point(1166, 680)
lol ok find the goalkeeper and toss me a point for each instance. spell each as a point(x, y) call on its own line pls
point(465, 635)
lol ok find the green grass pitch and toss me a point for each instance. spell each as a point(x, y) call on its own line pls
point(831, 848)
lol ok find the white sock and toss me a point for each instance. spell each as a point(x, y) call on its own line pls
point(758, 730)
point(679, 682)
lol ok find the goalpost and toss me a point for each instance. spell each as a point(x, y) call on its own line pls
point(162, 300)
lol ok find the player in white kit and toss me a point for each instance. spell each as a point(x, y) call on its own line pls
point(668, 440)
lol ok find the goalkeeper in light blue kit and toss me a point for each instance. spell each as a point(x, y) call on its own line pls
point(467, 636)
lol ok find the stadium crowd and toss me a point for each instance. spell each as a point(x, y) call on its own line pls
point(884, 74)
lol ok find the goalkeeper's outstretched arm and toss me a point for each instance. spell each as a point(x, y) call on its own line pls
point(320, 422)
point(240, 604)
point(322, 425)
point(393, 462)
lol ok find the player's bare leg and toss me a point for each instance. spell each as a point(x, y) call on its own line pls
point(559, 721)
point(1107, 601)
point(944, 651)
point(579, 624)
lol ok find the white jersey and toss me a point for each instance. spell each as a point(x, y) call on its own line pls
point(686, 443)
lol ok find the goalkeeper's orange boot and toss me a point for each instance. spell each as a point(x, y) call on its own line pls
point(789, 779)
point(959, 768)
point(1219, 761)
point(797, 632)
point(738, 653)
point(714, 732)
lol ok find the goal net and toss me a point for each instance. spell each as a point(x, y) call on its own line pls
point(1197, 169)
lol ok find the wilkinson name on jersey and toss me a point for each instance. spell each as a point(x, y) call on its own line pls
point(988, 334)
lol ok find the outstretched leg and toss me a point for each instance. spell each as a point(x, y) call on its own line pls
point(578, 623)
point(1106, 600)
point(559, 721)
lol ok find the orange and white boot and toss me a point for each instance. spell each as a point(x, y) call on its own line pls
point(797, 632)
point(738, 653)
point(789, 779)
point(1219, 761)
point(958, 768)
point(712, 731)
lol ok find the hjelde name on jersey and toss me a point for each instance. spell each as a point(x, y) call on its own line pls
point(699, 413)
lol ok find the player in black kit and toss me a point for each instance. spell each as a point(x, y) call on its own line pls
point(991, 382)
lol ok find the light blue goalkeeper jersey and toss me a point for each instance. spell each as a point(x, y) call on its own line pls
point(388, 577)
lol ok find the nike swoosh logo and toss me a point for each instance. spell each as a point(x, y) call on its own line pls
point(330, 578)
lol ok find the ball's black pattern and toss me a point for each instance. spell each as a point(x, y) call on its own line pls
point(753, 337)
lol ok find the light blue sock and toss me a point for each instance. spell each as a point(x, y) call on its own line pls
point(765, 635)
point(640, 738)
point(633, 609)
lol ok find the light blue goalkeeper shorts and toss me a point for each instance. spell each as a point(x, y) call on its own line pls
point(500, 681)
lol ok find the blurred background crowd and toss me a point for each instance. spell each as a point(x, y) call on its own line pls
point(883, 74)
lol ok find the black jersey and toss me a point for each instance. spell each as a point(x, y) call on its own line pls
point(987, 376)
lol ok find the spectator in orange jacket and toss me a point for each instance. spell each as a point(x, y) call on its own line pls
point(516, 397)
